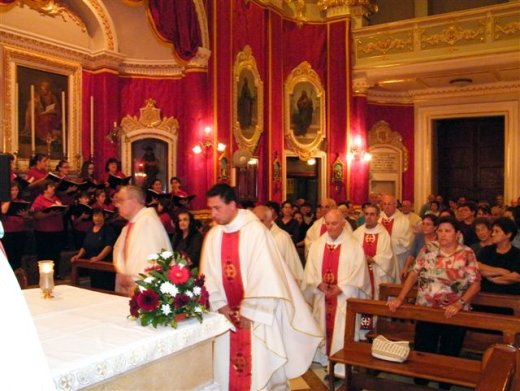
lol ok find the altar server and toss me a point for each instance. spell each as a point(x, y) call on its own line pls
point(283, 242)
point(377, 247)
point(143, 236)
point(274, 336)
point(399, 228)
point(335, 271)
point(25, 366)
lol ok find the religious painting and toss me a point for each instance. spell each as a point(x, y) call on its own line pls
point(43, 112)
point(248, 94)
point(337, 170)
point(150, 156)
point(304, 111)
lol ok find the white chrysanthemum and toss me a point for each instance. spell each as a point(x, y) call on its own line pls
point(149, 279)
point(166, 309)
point(166, 254)
point(153, 257)
point(169, 288)
point(189, 294)
point(198, 309)
point(197, 290)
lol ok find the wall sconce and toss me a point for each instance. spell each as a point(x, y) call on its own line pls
point(113, 134)
point(207, 143)
point(357, 152)
point(46, 269)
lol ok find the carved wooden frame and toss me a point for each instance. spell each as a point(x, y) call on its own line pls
point(304, 147)
point(245, 64)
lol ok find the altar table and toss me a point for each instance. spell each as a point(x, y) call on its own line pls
point(90, 343)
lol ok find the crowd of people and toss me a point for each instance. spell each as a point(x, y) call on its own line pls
point(278, 269)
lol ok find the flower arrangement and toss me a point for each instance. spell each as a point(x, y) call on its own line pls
point(168, 291)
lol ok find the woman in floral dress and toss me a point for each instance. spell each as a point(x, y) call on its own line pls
point(448, 277)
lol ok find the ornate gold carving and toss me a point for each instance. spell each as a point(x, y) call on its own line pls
point(385, 44)
point(14, 57)
point(102, 15)
point(506, 29)
point(54, 8)
point(299, 7)
point(248, 90)
point(452, 35)
point(370, 5)
point(303, 78)
point(381, 133)
point(150, 117)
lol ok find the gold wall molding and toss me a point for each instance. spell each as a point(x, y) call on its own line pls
point(385, 44)
point(304, 78)
point(504, 28)
point(452, 35)
point(54, 8)
point(247, 77)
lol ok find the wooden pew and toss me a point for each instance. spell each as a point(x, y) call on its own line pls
point(434, 367)
point(86, 264)
point(500, 369)
point(474, 341)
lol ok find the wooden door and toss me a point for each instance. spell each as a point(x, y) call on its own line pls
point(470, 157)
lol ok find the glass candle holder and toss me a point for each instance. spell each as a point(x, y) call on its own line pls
point(46, 269)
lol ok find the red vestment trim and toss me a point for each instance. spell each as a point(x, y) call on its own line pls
point(388, 224)
point(323, 229)
point(370, 249)
point(240, 341)
point(329, 275)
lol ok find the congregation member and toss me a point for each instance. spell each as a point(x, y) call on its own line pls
point(143, 236)
point(483, 231)
point(283, 241)
point(398, 227)
point(347, 209)
point(428, 234)
point(426, 206)
point(448, 277)
point(47, 210)
point(274, 336)
point(466, 215)
point(15, 228)
point(500, 262)
point(287, 222)
point(187, 238)
point(377, 246)
point(413, 218)
point(335, 271)
point(97, 247)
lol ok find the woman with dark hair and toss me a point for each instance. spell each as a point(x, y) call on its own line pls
point(15, 228)
point(163, 211)
point(38, 171)
point(483, 230)
point(48, 225)
point(500, 262)
point(113, 167)
point(87, 171)
point(286, 221)
point(62, 171)
point(187, 238)
point(97, 247)
point(448, 278)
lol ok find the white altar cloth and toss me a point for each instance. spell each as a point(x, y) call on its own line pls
point(87, 337)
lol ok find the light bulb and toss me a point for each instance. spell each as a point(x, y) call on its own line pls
point(197, 149)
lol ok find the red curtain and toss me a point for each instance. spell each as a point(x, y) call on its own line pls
point(176, 21)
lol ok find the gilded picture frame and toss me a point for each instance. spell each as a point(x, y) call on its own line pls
point(305, 121)
point(25, 68)
point(248, 98)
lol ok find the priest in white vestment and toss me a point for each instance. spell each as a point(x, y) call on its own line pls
point(318, 228)
point(335, 271)
point(377, 246)
point(398, 227)
point(24, 366)
point(143, 236)
point(283, 242)
point(249, 283)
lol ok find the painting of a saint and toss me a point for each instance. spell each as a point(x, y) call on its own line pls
point(46, 108)
point(246, 103)
point(302, 115)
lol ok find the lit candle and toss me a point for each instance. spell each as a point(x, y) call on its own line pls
point(16, 123)
point(46, 269)
point(33, 127)
point(91, 126)
point(233, 177)
point(63, 129)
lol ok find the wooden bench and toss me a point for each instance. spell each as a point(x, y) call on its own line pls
point(474, 341)
point(500, 369)
point(86, 264)
point(434, 367)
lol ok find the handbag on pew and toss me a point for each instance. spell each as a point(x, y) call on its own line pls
point(384, 349)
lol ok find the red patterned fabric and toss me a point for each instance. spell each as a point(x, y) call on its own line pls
point(240, 341)
point(388, 224)
point(370, 248)
point(329, 275)
point(177, 22)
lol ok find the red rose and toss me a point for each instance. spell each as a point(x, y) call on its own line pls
point(134, 306)
point(178, 274)
point(148, 300)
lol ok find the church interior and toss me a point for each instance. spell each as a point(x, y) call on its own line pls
point(299, 100)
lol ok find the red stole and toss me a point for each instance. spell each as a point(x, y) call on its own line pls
point(240, 341)
point(329, 275)
point(388, 224)
point(323, 229)
point(370, 249)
